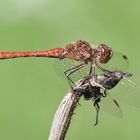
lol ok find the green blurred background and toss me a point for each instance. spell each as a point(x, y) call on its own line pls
point(30, 90)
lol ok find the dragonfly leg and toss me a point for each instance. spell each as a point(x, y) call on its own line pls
point(101, 68)
point(94, 71)
point(97, 107)
point(91, 69)
point(72, 70)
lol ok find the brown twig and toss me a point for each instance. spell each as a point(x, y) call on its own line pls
point(63, 116)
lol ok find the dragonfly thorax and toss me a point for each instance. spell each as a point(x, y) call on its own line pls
point(81, 51)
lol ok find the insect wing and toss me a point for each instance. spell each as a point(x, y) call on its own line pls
point(117, 62)
point(128, 92)
point(111, 106)
point(66, 64)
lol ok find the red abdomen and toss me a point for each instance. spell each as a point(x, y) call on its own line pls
point(54, 53)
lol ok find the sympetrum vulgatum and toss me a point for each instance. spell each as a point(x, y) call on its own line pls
point(83, 56)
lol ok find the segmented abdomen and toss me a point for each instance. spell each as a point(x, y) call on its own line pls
point(54, 53)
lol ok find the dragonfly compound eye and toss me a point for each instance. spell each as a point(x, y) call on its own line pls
point(105, 53)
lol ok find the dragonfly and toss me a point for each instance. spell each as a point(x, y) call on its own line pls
point(81, 52)
point(99, 89)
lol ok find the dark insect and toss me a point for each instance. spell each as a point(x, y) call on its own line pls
point(94, 88)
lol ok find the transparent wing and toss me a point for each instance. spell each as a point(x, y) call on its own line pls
point(65, 64)
point(128, 92)
point(111, 106)
point(59, 67)
point(117, 62)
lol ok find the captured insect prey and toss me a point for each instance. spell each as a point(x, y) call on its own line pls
point(95, 88)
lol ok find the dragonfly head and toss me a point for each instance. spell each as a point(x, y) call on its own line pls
point(104, 53)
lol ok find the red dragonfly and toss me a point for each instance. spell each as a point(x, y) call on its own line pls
point(81, 51)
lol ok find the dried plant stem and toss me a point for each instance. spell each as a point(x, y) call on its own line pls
point(63, 116)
